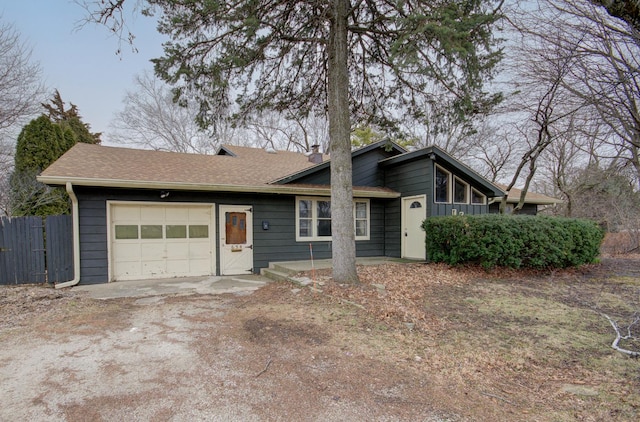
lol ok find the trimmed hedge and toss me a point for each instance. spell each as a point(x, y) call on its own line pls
point(515, 241)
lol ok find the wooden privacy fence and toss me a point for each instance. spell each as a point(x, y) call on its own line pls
point(36, 249)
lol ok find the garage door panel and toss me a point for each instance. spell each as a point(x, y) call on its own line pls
point(152, 251)
point(177, 214)
point(125, 213)
point(202, 214)
point(128, 270)
point(199, 251)
point(149, 213)
point(128, 252)
point(163, 245)
point(177, 250)
point(199, 265)
point(179, 267)
point(154, 268)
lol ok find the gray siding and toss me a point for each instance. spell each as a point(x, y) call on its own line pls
point(276, 244)
point(416, 178)
point(366, 171)
point(447, 209)
point(411, 178)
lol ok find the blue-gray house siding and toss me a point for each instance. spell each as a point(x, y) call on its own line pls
point(416, 177)
point(366, 171)
point(278, 243)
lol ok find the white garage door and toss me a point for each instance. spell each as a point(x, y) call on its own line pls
point(161, 241)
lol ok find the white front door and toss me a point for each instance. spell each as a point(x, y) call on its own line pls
point(236, 240)
point(414, 212)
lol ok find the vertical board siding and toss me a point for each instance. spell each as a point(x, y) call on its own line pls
point(33, 252)
point(411, 178)
point(59, 242)
point(22, 250)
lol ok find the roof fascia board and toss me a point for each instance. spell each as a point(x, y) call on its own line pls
point(529, 201)
point(533, 201)
point(274, 189)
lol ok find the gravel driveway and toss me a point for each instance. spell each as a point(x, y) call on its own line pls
point(67, 357)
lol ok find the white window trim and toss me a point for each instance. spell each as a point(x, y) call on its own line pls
point(483, 196)
point(314, 220)
point(435, 186)
point(466, 190)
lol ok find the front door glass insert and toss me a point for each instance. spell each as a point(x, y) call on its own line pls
point(236, 228)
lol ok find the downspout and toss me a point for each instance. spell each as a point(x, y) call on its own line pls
point(75, 218)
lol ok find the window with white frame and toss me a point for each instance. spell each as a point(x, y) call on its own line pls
point(460, 191)
point(442, 185)
point(477, 198)
point(313, 219)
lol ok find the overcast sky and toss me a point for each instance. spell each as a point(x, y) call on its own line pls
point(82, 63)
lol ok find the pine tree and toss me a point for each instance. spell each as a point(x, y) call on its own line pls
point(70, 118)
point(39, 144)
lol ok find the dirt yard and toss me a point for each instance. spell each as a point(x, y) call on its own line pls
point(413, 342)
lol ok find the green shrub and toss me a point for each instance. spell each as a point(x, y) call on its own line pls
point(512, 241)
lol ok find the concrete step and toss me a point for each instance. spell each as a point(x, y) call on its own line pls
point(274, 274)
point(285, 276)
point(283, 268)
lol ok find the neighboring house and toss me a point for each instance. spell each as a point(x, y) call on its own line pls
point(532, 201)
point(143, 214)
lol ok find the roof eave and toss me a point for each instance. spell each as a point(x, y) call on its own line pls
point(269, 189)
point(529, 201)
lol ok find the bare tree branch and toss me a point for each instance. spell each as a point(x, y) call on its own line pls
point(620, 337)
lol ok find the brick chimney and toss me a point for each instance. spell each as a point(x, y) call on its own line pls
point(315, 156)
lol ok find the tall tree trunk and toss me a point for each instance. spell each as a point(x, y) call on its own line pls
point(342, 226)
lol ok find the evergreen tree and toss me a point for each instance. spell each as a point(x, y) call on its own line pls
point(70, 118)
point(39, 144)
point(365, 135)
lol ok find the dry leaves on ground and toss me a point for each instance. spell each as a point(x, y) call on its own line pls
point(396, 293)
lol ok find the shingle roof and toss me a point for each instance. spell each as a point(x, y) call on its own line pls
point(249, 168)
point(530, 197)
point(252, 166)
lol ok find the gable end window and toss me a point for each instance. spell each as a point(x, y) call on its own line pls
point(477, 198)
point(442, 185)
point(460, 191)
point(313, 219)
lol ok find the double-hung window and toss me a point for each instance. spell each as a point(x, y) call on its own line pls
point(313, 218)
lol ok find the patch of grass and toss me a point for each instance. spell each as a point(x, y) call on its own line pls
point(542, 333)
point(625, 280)
point(527, 343)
